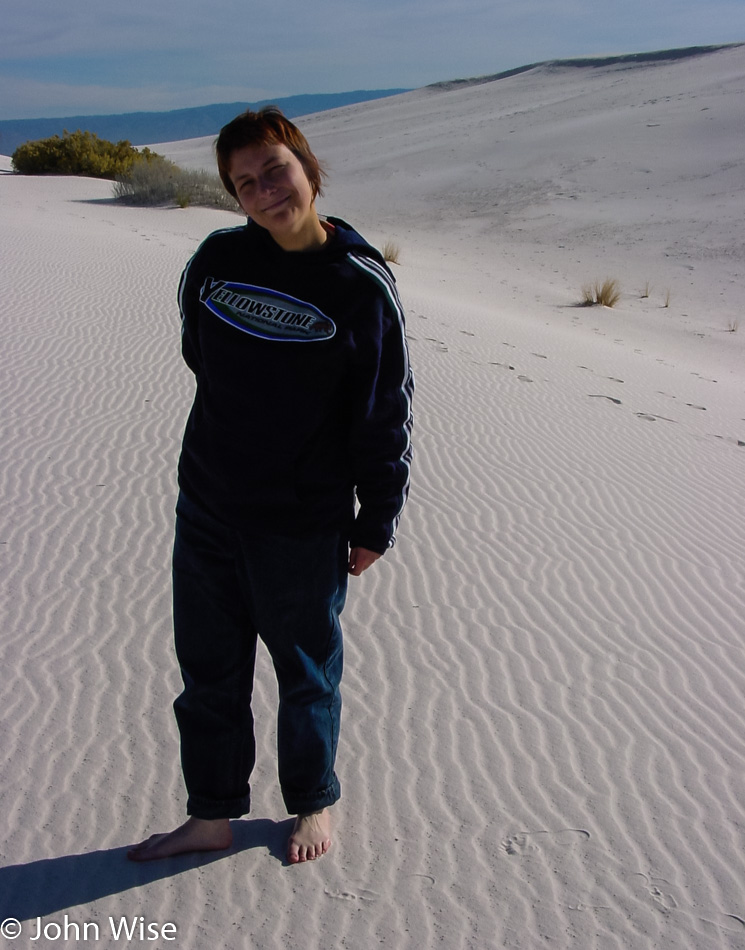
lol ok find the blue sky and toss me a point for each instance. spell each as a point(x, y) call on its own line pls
point(82, 57)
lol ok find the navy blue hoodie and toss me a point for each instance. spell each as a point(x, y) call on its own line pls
point(303, 386)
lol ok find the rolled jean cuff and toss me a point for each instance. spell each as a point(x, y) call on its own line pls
point(304, 804)
point(213, 808)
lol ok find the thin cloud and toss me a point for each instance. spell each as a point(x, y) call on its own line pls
point(176, 53)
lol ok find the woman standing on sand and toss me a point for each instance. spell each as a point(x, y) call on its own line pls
point(293, 329)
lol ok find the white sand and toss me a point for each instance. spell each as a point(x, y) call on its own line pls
point(544, 739)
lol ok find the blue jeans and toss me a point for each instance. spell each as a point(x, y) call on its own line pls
point(228, 588)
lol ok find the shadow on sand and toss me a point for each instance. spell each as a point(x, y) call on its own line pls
point(45, 887)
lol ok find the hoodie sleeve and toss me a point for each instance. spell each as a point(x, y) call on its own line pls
point(381, 430)
point(188, 301)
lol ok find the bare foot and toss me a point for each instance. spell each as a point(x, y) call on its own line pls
point(310, 838)
point(196, 834)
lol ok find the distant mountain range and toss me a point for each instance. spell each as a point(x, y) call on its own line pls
point(143, 128)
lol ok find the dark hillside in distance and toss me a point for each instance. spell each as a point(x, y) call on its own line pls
point(142, 128)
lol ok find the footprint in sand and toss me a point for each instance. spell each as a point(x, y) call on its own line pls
point(441, 345)
point(423, 877)
point(613, 379)
point(656, 887)
point(515, 844)
point(651, 417)
point(361, 895)
point(523, 842)
point(660, 892)
point(601, 396)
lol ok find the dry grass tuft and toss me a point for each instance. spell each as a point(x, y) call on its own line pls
point(733, 326)
point(391, 252)
point(606, 294)
point(154, 183)
point(609, 292)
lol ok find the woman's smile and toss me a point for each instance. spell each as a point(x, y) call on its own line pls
point(276, 204)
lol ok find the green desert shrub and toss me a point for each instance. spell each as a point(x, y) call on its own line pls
point(162, 182)
point(79, 153)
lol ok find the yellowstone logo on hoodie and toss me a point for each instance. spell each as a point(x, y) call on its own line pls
point(265, 313)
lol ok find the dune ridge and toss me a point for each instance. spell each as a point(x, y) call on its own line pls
point(543, 694)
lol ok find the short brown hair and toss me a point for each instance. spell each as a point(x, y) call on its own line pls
point(268, 126)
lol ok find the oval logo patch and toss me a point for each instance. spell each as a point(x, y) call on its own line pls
point(266, 313)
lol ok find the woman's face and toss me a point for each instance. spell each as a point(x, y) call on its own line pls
point(274, 191)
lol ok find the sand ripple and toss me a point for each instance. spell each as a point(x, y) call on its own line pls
point(543, 699)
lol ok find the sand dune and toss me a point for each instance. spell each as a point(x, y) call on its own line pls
point(544, 681)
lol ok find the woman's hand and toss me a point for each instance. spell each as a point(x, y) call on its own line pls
point(360, 559)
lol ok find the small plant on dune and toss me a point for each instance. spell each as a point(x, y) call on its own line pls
point(666, 302)
point(391, 252)
point(162, 182)
point(606, 294)
point(644, 292)
point(156, 184)
point(732, 326)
